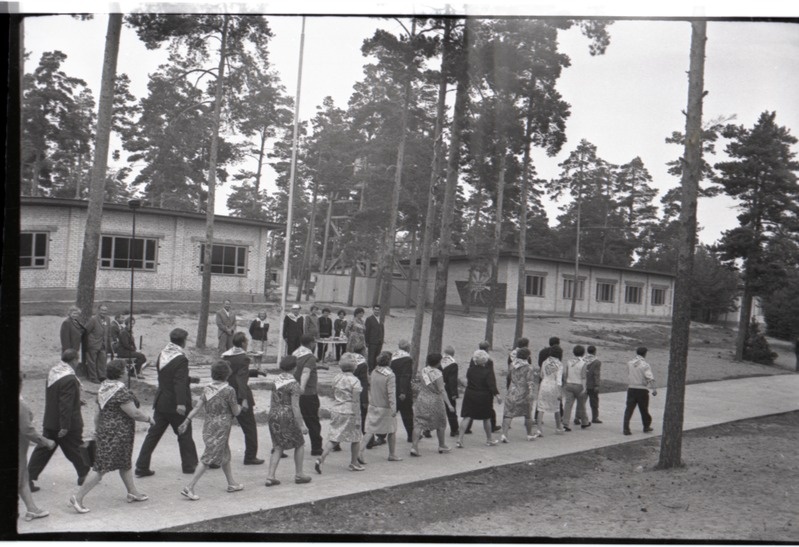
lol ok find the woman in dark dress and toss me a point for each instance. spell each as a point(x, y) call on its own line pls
point(481, 388)
point(114, 432)
point(285, 422)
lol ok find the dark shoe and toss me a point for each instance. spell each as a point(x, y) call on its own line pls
point(316, 452)
point(337, 447)
point(453, 433)
point(576, 422)
point(370, 445)
point(427, 434)
point(82, 479)
point(467, 432)
point(628, 432)
point(380, 441)
point(585, 425)
point(212, 466)
point(596, 421)
point(33, 487)
point(496, 428)
point(253, 461)
point(566, 428)
point(144, 472)
point(189, 470)
point(648, 430)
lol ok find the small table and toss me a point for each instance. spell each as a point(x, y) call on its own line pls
point(331, 343)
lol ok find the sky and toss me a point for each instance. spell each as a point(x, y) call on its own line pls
point(626, 101)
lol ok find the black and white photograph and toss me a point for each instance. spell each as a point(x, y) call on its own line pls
point(434, 273)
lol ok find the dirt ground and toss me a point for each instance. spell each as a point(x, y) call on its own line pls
point(739, 483)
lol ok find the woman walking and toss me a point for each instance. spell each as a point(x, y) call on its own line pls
point(521, 393)
point(345, 415)
point(27, 435)
point(429, 409)
point(550, 392)
point(356, 333)
point(381, 418)
point(481, 388)
point(285, 422)
point(219, 401)
point(118, 410)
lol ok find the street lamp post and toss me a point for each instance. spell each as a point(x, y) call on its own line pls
point(133, 204)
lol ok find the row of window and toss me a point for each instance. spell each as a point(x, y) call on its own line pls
point(117, 253)
point(605, 292)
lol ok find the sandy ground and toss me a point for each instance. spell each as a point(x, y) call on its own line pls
point(738, 484)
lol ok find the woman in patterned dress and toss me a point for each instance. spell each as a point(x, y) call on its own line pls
point(550, 392)
point(114, 431)
point(381, 418)
point(481, 389)
point(345, 414)
point(520, 395)
point(221, 406)
point(429, 407)
point(285, 422)
point(356, 333)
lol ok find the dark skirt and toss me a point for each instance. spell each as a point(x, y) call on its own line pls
point(477, 404)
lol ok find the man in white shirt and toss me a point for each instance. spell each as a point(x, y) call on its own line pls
point(640, 379)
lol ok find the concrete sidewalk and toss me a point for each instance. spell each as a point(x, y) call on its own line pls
point(705, 405)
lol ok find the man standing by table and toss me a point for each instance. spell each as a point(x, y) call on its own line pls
point(325, 331)
point(98, 343)
point(226, 327)
point(374, 334)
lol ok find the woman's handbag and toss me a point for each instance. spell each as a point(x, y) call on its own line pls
point(87, 452)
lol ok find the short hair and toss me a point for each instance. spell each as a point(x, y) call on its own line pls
point(69, 355)
point(523, 354)
point(484, 345)
point(288, 363)
point(579, 350)
point(341, 312)
point(641, 351)
point(433, 360)
point(115, 369)
point(480, 357)
point(376, 306)
point(522, 343)
point(356, 311)
point(326, 310)
point(306, 339)
point(226, 300)
point(129, 320)
point(449, 350)
point(592, 350)
point(357, 346)
point(220, 371)
point(384, 359)
point(178, 335)
point(102, 305)
point(404, 345)
point(347, 362)
point(556, 352)
point(239, 339)
point(554, 341)
point(314, 308)
point(73, 308)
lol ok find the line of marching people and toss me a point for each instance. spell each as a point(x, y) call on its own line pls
point(363, 413)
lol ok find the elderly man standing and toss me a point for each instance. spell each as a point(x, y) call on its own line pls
point(292, 329)
point(374, 335)
point(226, 327)
point(72, 331)
point(98, 344)
point(63, 422)
point(172, 404)
point(402, 366)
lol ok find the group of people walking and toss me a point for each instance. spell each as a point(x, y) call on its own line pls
point(372, 387)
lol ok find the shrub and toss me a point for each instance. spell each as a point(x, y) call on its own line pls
point(756, 346)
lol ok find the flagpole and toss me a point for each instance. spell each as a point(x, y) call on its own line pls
point(290, 218)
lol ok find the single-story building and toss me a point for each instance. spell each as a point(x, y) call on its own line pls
point(166, 256)
point(601, 290)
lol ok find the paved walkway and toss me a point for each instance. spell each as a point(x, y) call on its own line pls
point(705, 405)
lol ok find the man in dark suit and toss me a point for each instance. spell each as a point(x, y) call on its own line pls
point(325, 331)
point(374, 333)
point(226, 327)
point(72, 331)
point(240, 375)
point(62, 422)
point(98, 344)
point(450, 369)
point(402, 365)
point(172, 403)
point(292, 329)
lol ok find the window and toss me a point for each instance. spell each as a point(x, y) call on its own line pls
point(534, 285)
point(116, 253)
point(568, 287)
point(605, 292)
point(658, 296)
point(632, 294)
point(226, 259)
point(33, 249)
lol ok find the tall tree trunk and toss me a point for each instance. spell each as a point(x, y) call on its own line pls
point(305, 268)
point(91, 240)
point(448, 205)
point(411, 269)
point(205, 296)
point(492, 301)
point(430, 217)
point(330, 198)
point(353, 275)
point(744, 317)
point(577, 255)
point(518, 331)
point(671, 442)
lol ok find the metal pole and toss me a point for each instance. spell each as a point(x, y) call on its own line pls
point(290, 216)
point(133, 204)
